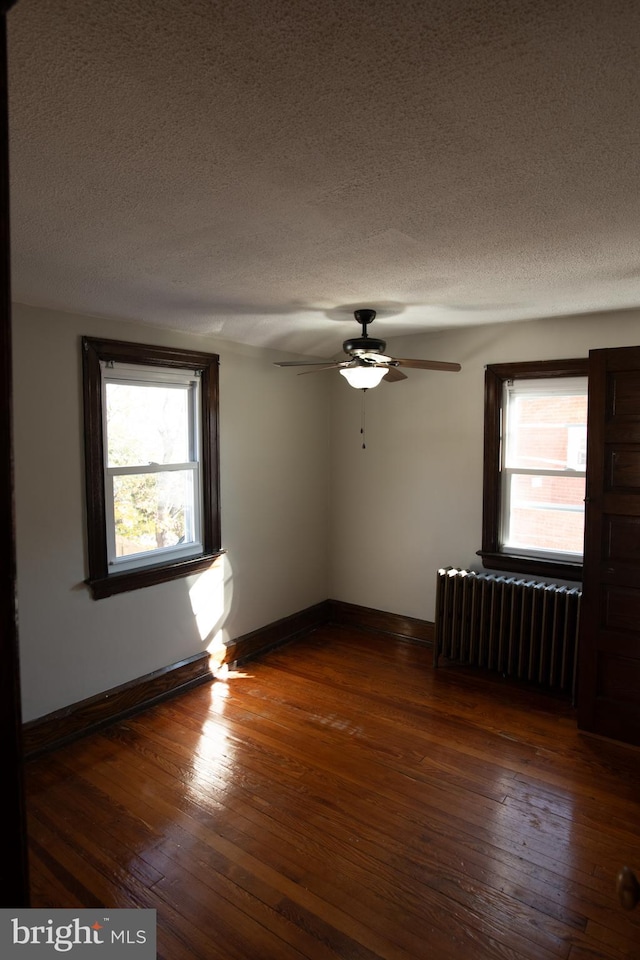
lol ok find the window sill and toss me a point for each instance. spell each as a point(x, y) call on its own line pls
point(102, 587)
point(563, 570)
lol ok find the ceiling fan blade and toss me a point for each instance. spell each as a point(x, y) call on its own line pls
point(299, 363)
point(428, 364)
point(394, 374)
point(326, 366)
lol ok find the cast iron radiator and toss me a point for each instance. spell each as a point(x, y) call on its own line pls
point(520, 628)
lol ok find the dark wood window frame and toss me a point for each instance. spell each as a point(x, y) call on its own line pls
point(493, 557)
point(94, 351)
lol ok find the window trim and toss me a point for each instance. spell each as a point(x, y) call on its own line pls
point(94, 351)
point(493, 557)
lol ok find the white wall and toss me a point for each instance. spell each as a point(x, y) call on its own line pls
point(412, 501)
point(273, 453)
point(369, 527)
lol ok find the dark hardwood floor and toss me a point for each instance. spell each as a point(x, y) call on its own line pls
point(341, 798)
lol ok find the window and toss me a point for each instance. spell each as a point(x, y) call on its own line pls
point(151, 451)
point(535, 467)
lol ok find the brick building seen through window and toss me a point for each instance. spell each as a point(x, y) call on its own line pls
point(545, 435)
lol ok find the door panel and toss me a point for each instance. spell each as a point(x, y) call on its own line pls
point(622, 539)
point(609, 660)
point(618, 679)
point(620, 609)
point(625, 397)
point(623, 469)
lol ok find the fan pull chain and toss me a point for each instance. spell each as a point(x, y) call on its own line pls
point(363, 424)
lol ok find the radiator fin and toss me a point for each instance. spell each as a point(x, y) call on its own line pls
point(517, 627)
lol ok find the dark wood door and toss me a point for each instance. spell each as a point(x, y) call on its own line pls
point(609, 665)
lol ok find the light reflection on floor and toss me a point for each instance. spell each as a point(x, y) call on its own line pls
point(214, 752)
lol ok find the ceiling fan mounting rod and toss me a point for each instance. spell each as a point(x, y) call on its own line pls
point(364, 318)
point(363, 344)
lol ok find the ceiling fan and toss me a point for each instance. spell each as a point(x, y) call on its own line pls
point(368, 364)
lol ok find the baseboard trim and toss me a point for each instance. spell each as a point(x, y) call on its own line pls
point(76, 720)
point(259, 641)
point(366, 618)
point(94, 713)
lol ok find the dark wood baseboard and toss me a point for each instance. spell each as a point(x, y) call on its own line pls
point(95, 712)
point(366, 618)
point(78, 719)
point(274, 634)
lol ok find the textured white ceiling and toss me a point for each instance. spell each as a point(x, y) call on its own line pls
point(256, 169)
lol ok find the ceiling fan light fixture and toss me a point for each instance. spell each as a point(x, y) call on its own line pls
point(363, 377)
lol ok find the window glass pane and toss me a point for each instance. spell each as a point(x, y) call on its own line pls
point(147, 424)
point(546, 432)
point(547, 513)
point(153, 511)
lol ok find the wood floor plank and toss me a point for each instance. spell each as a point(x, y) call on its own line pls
point(341, 798)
